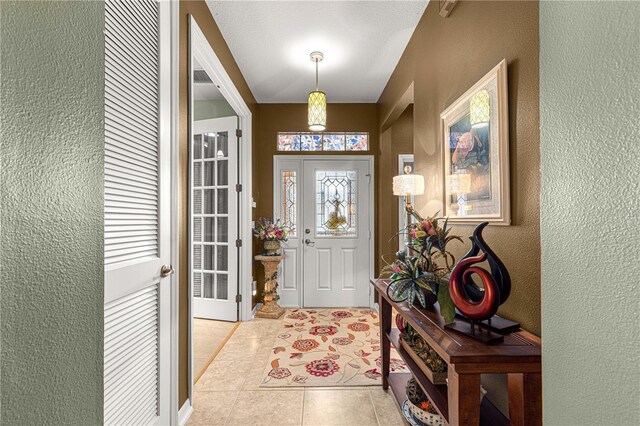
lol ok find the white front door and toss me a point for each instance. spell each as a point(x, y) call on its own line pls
point(214, 218)
point(327, 203)
point(137, 225)
point(335, 233)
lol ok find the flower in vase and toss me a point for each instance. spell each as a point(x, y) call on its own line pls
point(428, 227)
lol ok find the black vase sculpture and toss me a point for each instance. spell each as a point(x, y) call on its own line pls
point(498, 270)
point(478, 304)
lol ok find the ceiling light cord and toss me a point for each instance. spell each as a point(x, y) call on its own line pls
point(317, 74)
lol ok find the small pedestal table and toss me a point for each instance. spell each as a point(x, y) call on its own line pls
point(270, 308)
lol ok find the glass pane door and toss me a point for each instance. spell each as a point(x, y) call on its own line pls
point(214, 218)
point(210, 216)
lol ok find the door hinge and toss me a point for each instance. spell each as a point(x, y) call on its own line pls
point(238, 187)
point(369, 234)
point(368, 175)
point(238, 298)
point(239, 133)
point(238, 243)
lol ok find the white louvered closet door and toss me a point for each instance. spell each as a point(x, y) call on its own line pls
point(137, 208)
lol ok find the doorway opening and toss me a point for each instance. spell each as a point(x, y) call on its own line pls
point(219, 206)
point(327, 202)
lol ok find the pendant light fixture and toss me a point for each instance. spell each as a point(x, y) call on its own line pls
point(317, 101)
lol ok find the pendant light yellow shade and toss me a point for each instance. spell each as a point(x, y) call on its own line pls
point(479, 109)
point(317, 115)
point(317, 111)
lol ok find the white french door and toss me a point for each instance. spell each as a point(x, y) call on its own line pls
point(328, 259)
point(214, 218)
point(137, 223)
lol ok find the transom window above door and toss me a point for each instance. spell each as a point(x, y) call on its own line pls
point(326, 141)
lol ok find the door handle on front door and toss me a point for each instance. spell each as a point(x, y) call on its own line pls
point(166, 270)
point(309, 242)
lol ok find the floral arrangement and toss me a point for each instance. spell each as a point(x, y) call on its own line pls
point(267, 230)
point(423, 271)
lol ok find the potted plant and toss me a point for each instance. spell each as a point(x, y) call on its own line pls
point(271, 233)
point(422, 272)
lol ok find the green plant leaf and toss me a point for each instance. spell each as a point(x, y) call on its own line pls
point(399, 288)
point(447, 308)
point(421, 298)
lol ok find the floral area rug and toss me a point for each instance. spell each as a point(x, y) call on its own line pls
point(328, 347)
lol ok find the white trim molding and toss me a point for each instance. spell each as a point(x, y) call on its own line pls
point(214, 68)
point(256, 309)
point(185, 413)
point(207, 58)
point(175, 214)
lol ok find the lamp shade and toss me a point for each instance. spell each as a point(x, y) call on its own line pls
point(317, 111)
point(408, 184)
point(479, 109)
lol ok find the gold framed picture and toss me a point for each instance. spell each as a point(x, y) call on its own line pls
point(475, 160)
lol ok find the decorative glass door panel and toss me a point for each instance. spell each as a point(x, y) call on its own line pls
point(213, 216)
point(336, 200)
point(289, 215)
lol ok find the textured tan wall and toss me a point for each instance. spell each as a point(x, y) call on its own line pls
point(274, 118)
point(443, 59)
point(397, 139)
point(205, 21)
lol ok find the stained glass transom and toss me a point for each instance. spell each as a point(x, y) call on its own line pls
point(288, 141)
point(336, 203)
point(289, 201)
point(310, 142)
point(335, 141)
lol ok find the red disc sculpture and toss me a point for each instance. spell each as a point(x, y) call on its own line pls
point(481, 309)
point(479, 303)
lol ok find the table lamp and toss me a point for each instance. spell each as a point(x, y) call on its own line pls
point(408, 185)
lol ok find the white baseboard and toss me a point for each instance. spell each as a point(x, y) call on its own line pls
point(185, 412)
point(255, 309)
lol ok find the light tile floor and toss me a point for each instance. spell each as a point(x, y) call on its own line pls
point(229, 394)
point(208, 336)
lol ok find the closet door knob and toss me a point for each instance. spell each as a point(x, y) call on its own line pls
point(166, 270)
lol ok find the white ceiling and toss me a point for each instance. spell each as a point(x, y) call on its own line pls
point(362, 42)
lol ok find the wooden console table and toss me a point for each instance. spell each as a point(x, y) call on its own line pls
point(459, 401)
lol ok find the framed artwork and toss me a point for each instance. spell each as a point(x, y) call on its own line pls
point(475, 141)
